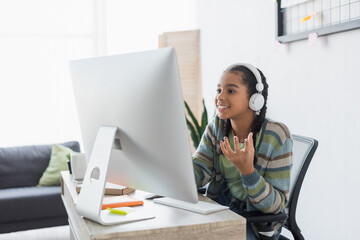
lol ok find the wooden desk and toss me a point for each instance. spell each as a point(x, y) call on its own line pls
point(169, 223)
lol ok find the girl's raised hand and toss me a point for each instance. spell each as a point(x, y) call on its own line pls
point(243, 159)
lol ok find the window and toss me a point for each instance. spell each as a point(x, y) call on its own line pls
point(37, 39)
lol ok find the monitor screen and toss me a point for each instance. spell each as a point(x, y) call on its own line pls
point(140, 94)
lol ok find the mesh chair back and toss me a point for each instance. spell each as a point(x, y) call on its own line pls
point(303, 151)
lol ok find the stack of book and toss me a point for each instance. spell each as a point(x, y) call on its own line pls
point(112, 189)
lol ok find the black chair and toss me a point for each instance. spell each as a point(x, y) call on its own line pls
point(303, 151)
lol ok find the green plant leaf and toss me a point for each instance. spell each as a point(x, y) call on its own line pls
point(193, 134)
point(197, 127)
point(204, 119)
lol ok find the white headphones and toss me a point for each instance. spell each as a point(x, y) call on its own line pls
point(257, 100)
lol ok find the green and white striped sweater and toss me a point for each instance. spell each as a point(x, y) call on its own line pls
point(268, 187)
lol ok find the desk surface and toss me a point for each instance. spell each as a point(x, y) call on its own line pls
point(169, 223)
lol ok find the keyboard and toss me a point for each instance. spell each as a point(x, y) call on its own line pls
point(199, 207)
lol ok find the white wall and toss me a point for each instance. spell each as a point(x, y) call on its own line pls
point(314, 89)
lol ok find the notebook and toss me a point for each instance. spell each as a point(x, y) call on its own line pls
point(120, 201)
point(199, 207)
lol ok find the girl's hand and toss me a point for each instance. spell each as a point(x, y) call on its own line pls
point(243, 159)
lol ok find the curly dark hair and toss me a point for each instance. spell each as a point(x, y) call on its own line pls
point(250, 81)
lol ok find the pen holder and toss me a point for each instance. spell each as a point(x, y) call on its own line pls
point(78, 166)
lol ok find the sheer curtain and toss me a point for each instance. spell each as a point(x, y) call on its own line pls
point(39, 37)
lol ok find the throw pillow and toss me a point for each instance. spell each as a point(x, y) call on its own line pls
point(57, 163)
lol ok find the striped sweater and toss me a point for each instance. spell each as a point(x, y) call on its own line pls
point(268, 187)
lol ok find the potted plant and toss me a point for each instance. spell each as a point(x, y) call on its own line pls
point(196, 130)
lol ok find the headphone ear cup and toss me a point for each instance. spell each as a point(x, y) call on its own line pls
point(256, 102)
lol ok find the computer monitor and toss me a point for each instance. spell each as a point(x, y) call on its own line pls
point(133, 126)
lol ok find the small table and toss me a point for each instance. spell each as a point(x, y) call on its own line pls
point(169, 223)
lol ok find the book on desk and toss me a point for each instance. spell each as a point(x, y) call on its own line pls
point(112, 189)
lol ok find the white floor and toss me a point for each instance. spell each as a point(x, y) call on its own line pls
point(53, 233)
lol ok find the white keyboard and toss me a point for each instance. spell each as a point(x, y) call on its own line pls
point(199, 207)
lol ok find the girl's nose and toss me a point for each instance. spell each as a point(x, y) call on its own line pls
point(220, 96)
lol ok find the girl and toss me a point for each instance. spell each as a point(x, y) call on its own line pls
point(246, 157)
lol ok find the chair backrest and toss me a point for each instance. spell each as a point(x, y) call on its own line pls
point(303, 151)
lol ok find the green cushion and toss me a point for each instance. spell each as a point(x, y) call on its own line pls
point(58, 162)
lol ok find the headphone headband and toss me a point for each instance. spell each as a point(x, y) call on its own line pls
point(259, 85)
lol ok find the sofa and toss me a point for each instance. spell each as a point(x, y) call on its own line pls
point(23, 204)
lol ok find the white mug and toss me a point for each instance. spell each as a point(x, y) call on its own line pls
point(78, 166)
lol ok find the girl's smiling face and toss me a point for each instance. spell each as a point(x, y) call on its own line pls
point(232, 98)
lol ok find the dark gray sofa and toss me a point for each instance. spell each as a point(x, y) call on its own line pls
point(23, 205)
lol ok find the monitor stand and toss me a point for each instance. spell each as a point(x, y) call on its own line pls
point(92, 193)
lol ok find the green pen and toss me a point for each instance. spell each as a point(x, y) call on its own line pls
point(117, 211)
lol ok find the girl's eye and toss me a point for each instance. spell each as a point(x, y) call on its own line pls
point(231, 91)
point(218, 90)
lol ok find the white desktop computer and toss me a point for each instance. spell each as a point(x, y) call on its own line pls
point(133, 127)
